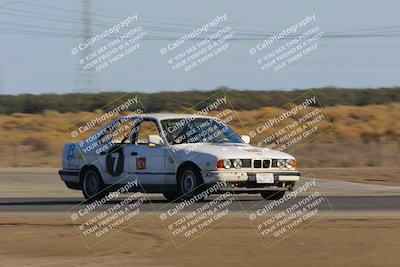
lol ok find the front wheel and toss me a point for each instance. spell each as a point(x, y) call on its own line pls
point(189, 183)
point(272, 195)
point(92, 185)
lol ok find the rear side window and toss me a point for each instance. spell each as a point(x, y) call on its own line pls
point(146, 128)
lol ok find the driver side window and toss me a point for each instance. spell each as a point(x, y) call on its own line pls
point(120, 132)
point(123, 132)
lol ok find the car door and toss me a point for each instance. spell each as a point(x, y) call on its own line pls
point(115, 154)
point(146, 160)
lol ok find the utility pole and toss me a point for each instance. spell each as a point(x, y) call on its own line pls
point(1, 82)
point(86, 76)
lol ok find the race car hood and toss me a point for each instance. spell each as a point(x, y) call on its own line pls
point(242, 151)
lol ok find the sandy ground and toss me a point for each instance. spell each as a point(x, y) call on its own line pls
point(337, 240)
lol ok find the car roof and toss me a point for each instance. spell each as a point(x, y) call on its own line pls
point(166, 116)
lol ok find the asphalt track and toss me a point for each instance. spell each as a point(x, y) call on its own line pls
point(245, 202)
point(42, 191)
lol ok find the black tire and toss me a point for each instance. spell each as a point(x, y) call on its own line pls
point(189, 183)
point(171, 196)
point(92, 185)
point(272, 195)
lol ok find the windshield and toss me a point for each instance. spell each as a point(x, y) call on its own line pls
point(198, 130)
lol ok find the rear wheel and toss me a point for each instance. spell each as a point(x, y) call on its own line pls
point(92, 185)
point(272, 195)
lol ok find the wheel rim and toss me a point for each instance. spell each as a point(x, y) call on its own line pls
point(91, 183)
point(188, 181)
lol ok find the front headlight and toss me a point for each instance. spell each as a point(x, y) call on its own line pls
point(237, 163)
point(227, 164)
point(289, 163)
point(281, 163)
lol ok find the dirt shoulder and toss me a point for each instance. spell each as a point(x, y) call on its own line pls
point(49, 239)
point(366, 175)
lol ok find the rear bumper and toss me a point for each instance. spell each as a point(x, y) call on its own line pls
point(70, 178)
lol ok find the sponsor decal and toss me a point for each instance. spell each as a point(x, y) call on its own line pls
point(71, 152)
point(140, 163)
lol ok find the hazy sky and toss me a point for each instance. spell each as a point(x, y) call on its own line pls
point(359, 47)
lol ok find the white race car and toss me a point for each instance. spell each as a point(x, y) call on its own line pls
point(174, 154)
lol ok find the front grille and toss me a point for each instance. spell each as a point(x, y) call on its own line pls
point(266, 163)
point(246, 163)
point(274, 163)
point(257, 164)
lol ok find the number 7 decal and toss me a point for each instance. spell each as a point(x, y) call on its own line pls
point(115, 157)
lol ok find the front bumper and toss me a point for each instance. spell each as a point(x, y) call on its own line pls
point(246, 182)
point(253, 190)
point(248, 176)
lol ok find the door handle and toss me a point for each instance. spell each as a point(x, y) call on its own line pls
point(134, 153)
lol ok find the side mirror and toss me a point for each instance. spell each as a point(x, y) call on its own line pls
point(245, 139)
point(155, 140)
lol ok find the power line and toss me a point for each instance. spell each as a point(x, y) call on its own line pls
point(338, 34)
